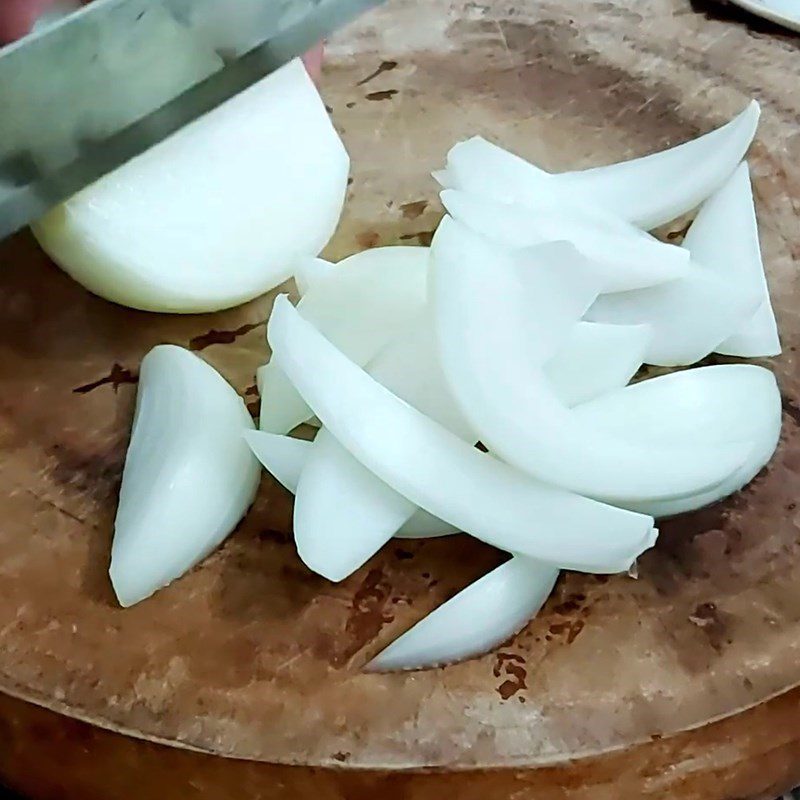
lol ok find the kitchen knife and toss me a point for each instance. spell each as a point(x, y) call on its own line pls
point(88, 93)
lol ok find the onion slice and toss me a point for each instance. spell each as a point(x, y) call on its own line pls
point(657, 188)
point(284, 457)
point(308, 271)
point(361, 305)
point(480, 617)
point(177, 230)
point(374, 512)
point(624, 257)
point(709, 405)
point(646, 192)
point(724, 238)
point(689, 317)
point(595, 359)
point(189, 476)
point(488, 337)
point(463, 486)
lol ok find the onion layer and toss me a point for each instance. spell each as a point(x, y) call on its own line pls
point(360, 306)
point(489, 336)
point(187, 433)
point(217, 213)
point(454, 481)
point(478, 618)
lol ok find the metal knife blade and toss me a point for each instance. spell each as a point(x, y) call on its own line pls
point(108, 82)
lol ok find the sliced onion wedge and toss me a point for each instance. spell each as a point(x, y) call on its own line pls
point(310, 270)
point(624, 257)
point(443, 474)
point(724, 238)
point(595, 359)
point(360, 306)
point(189, 475)
point(489, 337)
point(477, 619)
point(215, 214)
point(709, 405)
point(284, 457)
point(689, 317)
point(334, 538)
point(657, 188)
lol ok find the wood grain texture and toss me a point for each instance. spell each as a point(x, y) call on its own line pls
point(251, 655)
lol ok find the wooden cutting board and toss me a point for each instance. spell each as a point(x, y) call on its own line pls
point(243, 679)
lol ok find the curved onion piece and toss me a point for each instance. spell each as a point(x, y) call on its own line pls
point(373, 512)
point(364, 303)
point(655, 189)
point(423, 525)
point(489, 337)
point(310, 270)
point(595, 359)
point(623, 256)
point(689, 317)
point(724, 238)
point(176, 230)
point(282, 456)
point(710, 405)
point(454, 481)
point(477, 619)
point(189, 476)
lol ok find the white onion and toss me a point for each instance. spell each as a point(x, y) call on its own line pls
point(480, 617)
point(308, 271)
point(444, 475)
point(360, 305)
point(689, 317)
point(595, 359)
point(491, 341)
point(373, 512)
point(657, 188)
point(284, 457)
point(189, 476)
point(709, 405)
point(647, 191)
point(624, 257)
point(215, 214)
point(724, 238)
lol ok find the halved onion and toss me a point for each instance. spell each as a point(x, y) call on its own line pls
point(187, 433)
point(308, 271)
point(709, 405)
point(478, 618)
point(443, 474)
point(360, 305)
point(623, 256)
point(724, 239)
point(215, 214)
point(490, 341)
point(646, 191)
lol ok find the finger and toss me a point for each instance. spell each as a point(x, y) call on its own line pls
point(17, 17)
point(313, 61)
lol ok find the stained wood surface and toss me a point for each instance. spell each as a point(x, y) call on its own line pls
point(251, 655)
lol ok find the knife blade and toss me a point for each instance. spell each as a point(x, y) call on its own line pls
point(96, 89)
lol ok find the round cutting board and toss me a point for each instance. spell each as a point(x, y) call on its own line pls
point(244, 679)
